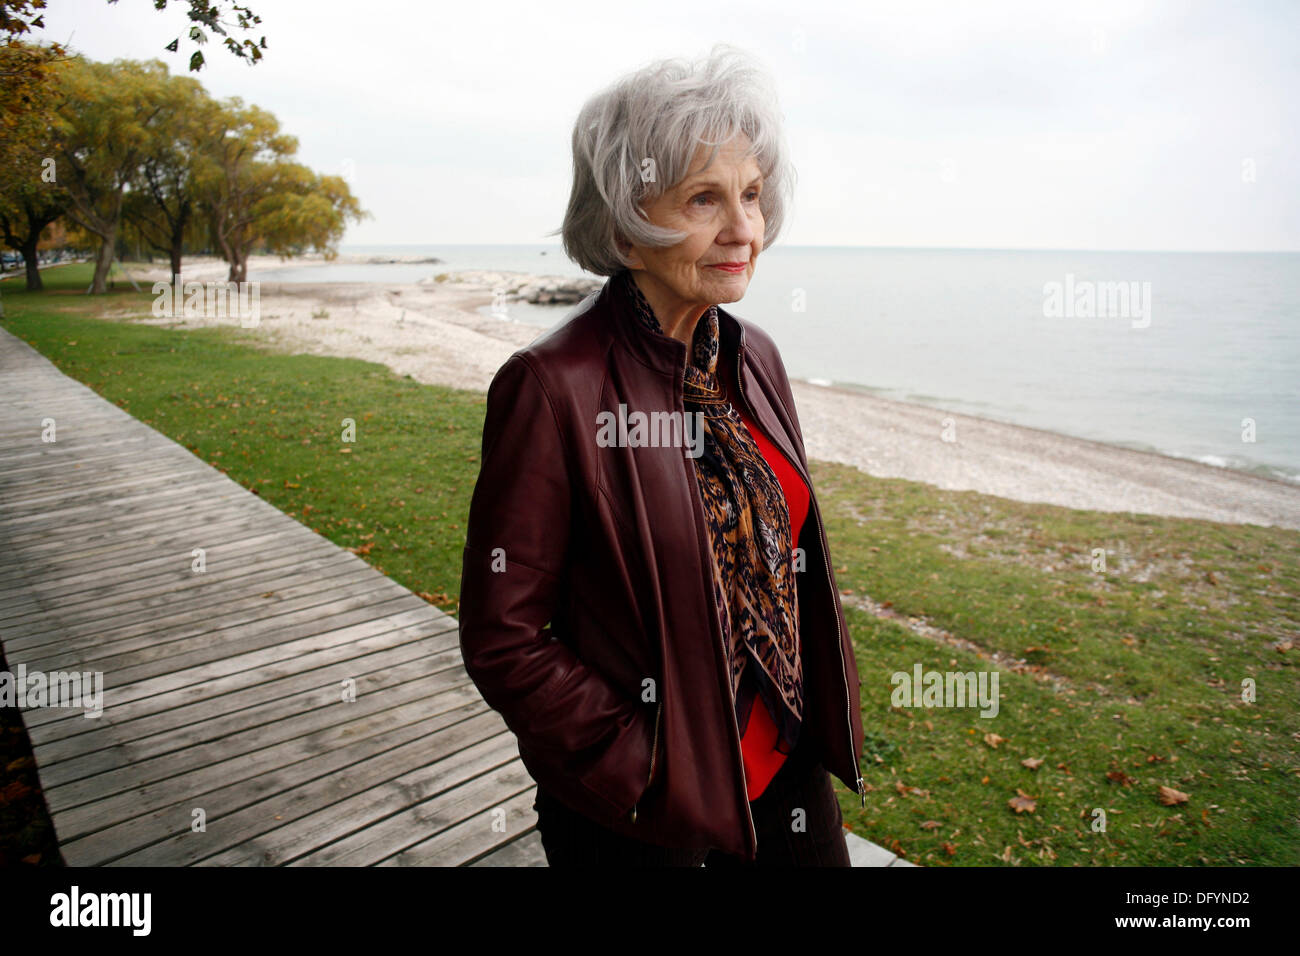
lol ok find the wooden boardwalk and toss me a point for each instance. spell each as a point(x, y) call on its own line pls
point(225, 738)
point(223, 690)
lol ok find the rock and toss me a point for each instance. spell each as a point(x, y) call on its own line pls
point(557, 291)
point(525, 287)
point(398, 260)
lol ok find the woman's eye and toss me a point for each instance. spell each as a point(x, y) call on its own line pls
point(751, 196)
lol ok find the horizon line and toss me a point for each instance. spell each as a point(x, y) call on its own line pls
point(557, 245)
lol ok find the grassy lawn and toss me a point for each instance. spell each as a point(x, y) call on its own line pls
point(398, 494)
point(1120, 682)
point(1113, 684)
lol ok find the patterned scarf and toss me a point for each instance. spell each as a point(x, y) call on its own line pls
point(749, 529)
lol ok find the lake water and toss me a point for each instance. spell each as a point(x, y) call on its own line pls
point(1197, 344)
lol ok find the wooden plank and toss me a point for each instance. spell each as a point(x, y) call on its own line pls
point(214, 732)
point(220, 713)
point(469, 823)
point(217, 696)
point(87, 804)
point(278, 797)
point(245, 654)
point(267, 677)
point(73, 519)
point(374, 823)
point(525, 851)
point(209, 613)
point(122, 603)
point(63, 556)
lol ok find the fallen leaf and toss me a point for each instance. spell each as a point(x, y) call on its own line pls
point(1170, 797)
point(1033, 763)
point(993, 740)
point(1022, 803)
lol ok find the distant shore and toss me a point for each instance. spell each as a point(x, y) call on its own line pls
point(431, 331)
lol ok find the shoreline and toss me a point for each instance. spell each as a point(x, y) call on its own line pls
point(430, 331)
point(854, 390)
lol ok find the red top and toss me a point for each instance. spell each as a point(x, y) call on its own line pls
point(757, 746)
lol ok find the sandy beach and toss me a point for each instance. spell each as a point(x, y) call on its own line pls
point(431, 331)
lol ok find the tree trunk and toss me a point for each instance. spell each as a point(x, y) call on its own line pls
point(103, 262)
point(229, 252)
point(34, 283)
point(238, 265)
point(178, 235)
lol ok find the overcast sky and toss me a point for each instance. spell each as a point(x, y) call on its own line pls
point(1089, 125)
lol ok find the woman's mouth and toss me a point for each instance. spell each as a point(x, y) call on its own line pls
point(732, 267)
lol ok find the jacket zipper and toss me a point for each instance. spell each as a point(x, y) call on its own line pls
point(860, 782)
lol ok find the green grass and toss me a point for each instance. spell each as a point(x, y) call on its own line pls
point(399, 493)
point(1119, 681)
point(1131, 679)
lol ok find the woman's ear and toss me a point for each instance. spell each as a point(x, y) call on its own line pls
point(628, 252)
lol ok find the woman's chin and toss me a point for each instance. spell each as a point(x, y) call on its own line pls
point(728, 288)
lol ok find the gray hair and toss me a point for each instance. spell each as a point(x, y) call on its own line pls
point(664, 113)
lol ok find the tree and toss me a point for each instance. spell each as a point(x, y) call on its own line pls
point(162, 203)
point(25, 211)
point(30, 196)
point(20, 17)
point(304, 210)
point(254, 194)
point(125, 150)
point(106, 122)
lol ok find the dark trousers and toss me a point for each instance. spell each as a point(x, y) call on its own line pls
point(572, 839)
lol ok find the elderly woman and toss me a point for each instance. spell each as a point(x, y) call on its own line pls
point(647, 595)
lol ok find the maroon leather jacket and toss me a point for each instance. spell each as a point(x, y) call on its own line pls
point(587, 616)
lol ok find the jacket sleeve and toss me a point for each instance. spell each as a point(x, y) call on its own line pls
point(580, 737)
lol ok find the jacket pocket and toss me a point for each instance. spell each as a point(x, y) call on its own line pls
point(654, 752)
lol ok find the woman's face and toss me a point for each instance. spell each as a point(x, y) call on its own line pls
point(718, 209)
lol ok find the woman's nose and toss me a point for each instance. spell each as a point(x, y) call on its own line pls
point(738, 229)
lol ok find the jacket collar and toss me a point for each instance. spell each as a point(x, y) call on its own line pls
point(667, 356)
point(660, 352)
